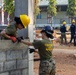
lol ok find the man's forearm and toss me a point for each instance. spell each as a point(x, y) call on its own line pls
point(27, 43)
point(3, 33)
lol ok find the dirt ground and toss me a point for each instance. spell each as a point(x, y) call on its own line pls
point(65, 60)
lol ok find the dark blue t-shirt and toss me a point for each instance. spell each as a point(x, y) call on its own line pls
point(72, 29)
point(63, 29)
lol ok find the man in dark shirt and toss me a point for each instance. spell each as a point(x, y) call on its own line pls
point(63, 33)
point(75, 36)
point(72, 30)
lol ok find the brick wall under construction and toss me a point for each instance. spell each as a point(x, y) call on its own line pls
point(15, 59)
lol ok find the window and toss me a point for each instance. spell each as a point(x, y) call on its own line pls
point(61, 8)
point(39, 16)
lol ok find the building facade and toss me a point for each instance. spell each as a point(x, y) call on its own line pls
point(45, 19)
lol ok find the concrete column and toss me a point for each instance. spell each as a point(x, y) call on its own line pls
point(30, 13)
point(25, 7)
point(21, 7)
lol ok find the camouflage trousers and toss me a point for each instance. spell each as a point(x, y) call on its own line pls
point(47, 67)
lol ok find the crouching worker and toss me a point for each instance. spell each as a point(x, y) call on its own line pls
point(45, 48)
point(19, 22)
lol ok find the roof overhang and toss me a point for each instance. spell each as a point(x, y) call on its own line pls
point(59, 2)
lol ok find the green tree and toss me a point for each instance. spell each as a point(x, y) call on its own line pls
point(36, 10)
point(51, 9)
point(9, 7)
point(71, 10)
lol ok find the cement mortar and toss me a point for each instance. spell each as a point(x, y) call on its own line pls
point(9, 45)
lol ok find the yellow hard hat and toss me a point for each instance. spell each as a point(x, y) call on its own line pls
point(73, 21)
point(25, 20)
point(64, 23)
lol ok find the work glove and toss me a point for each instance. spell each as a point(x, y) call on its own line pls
point(20, 38)
point(31, 50)
point(13, 39)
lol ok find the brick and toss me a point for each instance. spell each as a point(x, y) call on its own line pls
point(6, 73)
point(22, 64)
point(14, 54)
point(25, 72)
point(10, 65)
point(15, 72)
point(1, 67)
point(25, 53)
point(2, 56)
